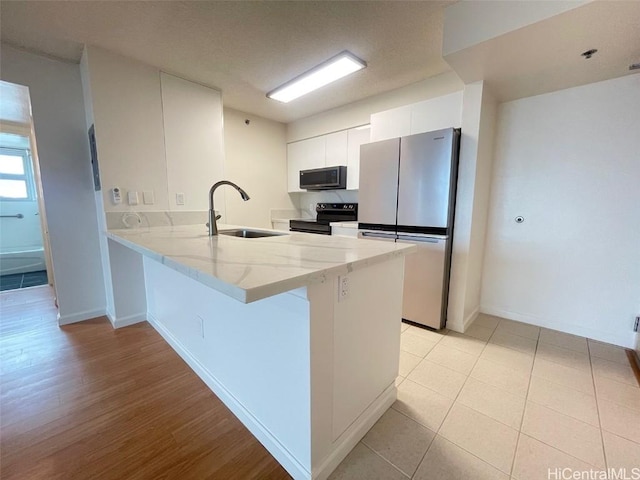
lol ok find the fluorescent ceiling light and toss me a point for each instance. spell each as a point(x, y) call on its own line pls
point(333, 69)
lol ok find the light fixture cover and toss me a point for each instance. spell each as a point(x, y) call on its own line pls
point(333, 69)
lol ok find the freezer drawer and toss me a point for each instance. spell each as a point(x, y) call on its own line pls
point(424, 280)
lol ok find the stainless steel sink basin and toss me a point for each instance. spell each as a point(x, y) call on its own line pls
point(244, 233)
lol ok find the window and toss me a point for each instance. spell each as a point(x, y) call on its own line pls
point(16, 180)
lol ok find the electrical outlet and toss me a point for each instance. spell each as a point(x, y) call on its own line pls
point(343, 288)
point(635, 325)
point(179, 198)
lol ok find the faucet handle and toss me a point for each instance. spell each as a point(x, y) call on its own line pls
point(218, 217)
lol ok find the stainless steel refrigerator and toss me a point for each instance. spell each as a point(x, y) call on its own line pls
point(407, 194)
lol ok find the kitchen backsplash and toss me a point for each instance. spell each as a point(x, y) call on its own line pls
point(306, 201)
point(155, 219)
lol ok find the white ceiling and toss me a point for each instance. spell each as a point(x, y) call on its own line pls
point(546, 56)
point(246, 48)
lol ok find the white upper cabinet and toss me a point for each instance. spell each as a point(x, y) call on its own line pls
point(336, 149)
point(355, 138)
point(333, 149)
point(433, 114)
point(304, 155)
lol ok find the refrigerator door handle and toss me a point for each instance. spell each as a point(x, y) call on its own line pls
point(389, 236)
point(416, 238)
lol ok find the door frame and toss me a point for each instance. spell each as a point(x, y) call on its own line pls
point(28, 131)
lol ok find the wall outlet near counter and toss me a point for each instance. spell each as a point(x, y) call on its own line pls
point(179, 198)
point(343, 288)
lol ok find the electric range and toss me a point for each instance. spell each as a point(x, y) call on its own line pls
point(325, 214)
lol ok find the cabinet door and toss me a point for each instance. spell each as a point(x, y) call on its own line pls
point(392, 123)
point(295, 154)
point(303, 155)
point(355, 138)
point(314, 153)
point(336, 149)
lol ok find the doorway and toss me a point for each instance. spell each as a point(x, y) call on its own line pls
point(24, 248)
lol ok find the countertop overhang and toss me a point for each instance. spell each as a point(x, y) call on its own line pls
point(252, 269)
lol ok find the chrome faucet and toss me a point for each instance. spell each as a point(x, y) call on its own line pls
point(213, 226)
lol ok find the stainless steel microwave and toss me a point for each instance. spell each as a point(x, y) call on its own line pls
point(328, 178)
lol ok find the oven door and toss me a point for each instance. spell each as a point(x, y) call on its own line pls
point(305, 226)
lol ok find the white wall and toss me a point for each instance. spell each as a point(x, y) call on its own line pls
point(255, 159)
point(193, 140)
point(476, 155)
point(63, 147)
point(127, 112)
point(568, 163)
point(359, 113)
point(468, 23)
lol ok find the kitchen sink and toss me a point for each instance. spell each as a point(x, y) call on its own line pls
point(244, 233)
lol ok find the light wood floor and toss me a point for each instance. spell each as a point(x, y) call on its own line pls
point(88, 402)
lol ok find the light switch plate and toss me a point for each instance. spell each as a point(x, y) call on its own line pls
point(132, 198)
point(148, 198)
point(179, 198)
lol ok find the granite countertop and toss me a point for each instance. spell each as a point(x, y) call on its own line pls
point(249, 269)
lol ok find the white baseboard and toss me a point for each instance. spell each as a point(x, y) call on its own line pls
point(471, 318)
point(349, 439)
point(264, 436)
point(80, 317)
point(600, 335)
point(128, 320)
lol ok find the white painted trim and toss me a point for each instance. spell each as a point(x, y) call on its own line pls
point(345, 443)
point(264, 436)
point(556, 324)
point(80, 316)
point(129, 320)
point(471, 318)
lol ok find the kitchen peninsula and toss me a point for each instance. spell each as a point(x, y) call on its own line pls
point(298, 334)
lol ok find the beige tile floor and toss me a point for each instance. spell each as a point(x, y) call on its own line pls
point(506, 400)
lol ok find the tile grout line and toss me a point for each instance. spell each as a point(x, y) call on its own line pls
point(526, 399)
point(565, 415)
point(387, 461)
point(595, 394)
point(454, 402)
point(449, 409)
